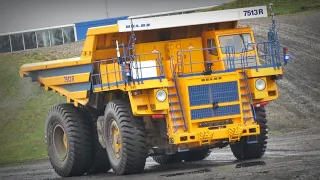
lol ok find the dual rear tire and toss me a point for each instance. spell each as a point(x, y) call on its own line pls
point(69, 140)
point(74, 149)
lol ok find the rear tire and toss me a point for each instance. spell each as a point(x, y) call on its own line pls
point(69, 140)
point(125, 139)
point(197, 155)
point(101, 162)
point(167, 159)
point(242, 151)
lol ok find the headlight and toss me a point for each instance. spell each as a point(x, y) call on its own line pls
point(161, 95)
point(260, 84)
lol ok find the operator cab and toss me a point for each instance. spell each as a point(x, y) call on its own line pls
point(229, 43)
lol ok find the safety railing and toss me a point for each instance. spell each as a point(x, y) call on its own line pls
point(127, 70)
point(202, 61)
point(268, 54)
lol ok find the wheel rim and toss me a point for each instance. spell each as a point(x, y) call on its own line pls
point(60, 141)
point(115, 139)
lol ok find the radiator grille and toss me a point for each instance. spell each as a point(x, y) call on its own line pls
point(207, 94)
point(210, 112)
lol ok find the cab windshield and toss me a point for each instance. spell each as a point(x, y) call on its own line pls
point(238, 41)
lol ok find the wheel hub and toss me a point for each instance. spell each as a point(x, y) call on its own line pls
point(60, 141)
point(115, 138)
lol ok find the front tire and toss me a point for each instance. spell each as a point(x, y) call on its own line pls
point(125, 139)
point(69, 140)
point(242, 151)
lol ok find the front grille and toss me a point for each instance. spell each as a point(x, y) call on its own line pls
point(207, 94)
point(210, 112)
point(214, 93)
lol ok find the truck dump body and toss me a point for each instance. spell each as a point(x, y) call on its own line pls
point(69, 77)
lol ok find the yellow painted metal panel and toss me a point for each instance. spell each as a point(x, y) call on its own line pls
point(148, 84)
point(233, 31)
point(193, 61)
point(61, 80)
point(140, 105)
point(79, 97)
point(111, 88)
point(72, 95)
point(215, 78)
point(53, 64)
point(103, 30)
point(201, 134)
point(89, 48)
point(110, 72)
point(264, 72)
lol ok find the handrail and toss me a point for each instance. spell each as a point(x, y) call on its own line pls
point(267, 52)
point(135, 65)
point(228, 61)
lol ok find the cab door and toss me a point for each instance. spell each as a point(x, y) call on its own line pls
point(212, 54)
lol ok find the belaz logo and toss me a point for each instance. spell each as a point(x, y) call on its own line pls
point(138, 25)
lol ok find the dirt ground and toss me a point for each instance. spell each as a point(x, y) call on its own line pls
point(289, 156)
point(294, 120)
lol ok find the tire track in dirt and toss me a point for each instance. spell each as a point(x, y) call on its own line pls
point(299, 103)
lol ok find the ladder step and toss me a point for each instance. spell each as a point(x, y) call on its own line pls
point(245, 94)
point(180, 125)
point(246, 102)
point(248, 117)
point(175, 110)
point(243, 86)
point(247, 110)
point(172, 94)
point(176, 118)
point(172, 103)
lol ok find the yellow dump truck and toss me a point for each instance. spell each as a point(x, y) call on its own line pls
point(168, 87)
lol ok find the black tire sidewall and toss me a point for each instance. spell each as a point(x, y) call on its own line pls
point(167, 159)
point(53, 120)
point(197, 155)
point(114, 162)
point(242, 150)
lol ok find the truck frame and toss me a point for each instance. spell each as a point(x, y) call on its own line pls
point(169, 87)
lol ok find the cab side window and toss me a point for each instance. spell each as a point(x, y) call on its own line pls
point(211, 44)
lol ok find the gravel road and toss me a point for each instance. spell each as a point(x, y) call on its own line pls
point(293, 155)
point(293, 149)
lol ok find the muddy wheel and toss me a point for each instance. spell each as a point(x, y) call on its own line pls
point(241, 150)
point(197, 155)
point(100, 158)
point(69, 140)
point(125, 139)
point(167, 159)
